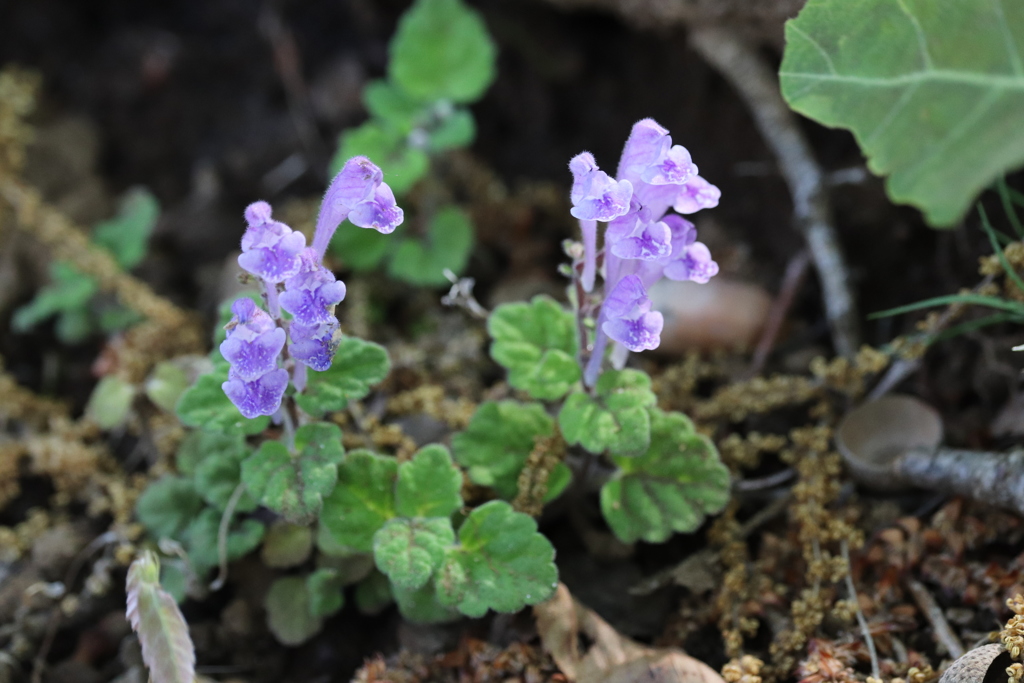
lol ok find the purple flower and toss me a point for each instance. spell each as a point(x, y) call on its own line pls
point(253, 358)
point(314, 345)
point(359, 193)
point(694, 263)
point(258, 397)
point(596, 196)
point(673, 167)
point(379, 211)
point(648, 242)
point(270, 249)
point(249, 320)
point(311, 295)
point(629, 319)
point(648, 143)
point(697, 194)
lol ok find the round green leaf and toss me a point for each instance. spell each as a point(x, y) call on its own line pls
point(536, 343)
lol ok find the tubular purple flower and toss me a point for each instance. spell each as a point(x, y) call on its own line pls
point(314, 345)
point(359, 183)
point(596, 196)
point(259, 397)
point(649, 242)
point(311, 295)
point(270, 249)
point(695, 264)
point(673, 167)
point(379, 212)
point(250, 359)
point(697, 194)
point(642, 333)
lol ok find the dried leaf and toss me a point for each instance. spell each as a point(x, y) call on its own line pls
point(154, 615)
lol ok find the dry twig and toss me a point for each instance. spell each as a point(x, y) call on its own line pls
point(943, 632)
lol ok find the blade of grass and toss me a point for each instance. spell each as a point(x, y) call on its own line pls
point(972, 325)
point(1011, 212)
point(976, 299)
point(1009, 269)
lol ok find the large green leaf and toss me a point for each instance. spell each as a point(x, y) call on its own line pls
point(671, 487)
point(409, 550)
point(536, 343)
point(932, 89)
point(362, 501)
point(615, 418)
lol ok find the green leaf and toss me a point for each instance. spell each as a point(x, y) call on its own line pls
point(409, 550)
point(295, 486)
point(110, 402)
point(201, 539)
point(326, 597)
point(69, 290)
point(671, 487)
point(74, 326)
point(501, 563)
point(373, 594)
point(166, 384)
point(933, 105)
point(127, 234)
point(217, 477)
point(361, 249)
point(362, 501)
point(167, 649)
point(286, 545)
point(201, 444)
point(442, 50)
point(392, 105)
point(614, 419)
point(448, 242)
point(498, 440)
point(455, 130)
point(205, 405)
point(429, 485)
point(168, 506)
point(536, 343)
point(289, 613)
point(558, 480)
point(387, 147)
point(357, 366)
point(113, 317)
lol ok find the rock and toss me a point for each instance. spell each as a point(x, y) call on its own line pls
point(722, 314)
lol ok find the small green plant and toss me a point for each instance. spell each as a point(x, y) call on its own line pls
point(442, 59)
point(73, 297)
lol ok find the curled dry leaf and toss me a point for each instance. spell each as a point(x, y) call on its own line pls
point(612, 658)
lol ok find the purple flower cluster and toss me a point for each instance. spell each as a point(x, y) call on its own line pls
point(293, 279)
point(642, 242)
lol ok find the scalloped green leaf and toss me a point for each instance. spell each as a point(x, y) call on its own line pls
point(442, 50)
point(286, 545)
point(502, 563)
point(295, 485)
point(390, 103)
point(200, 444)
point(205, 405)
point(325, 590)
point(69, 291)
point(429, 484)
point(409, 550)
point(934, 106)
point(615, 418)
point(357, 366)
point(447, 244)
point(362, 501)
point(373, 593)
point(498, 440)
point(168, 506)
point(457, 129)
point(421, 606)
point(536, 343)
point(110, 402)
point(671, 487)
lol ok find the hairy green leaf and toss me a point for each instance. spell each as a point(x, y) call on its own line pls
point(357, 366)
point(218, 476)
point(295, 485)
point(127, 234)
point(934, 105)
point(536, 343)
point(163, 633)
point(501, 563)
point(362, 501)
point(409, 550)
point(286, 545)
point(447, 244)
point(429, 485)
point(614, 419)
point(498, 440)
point(442, 50)
point(422, 606)
point(326, 596)
point(390, 103)
point(373, 593)
point(201, 444)
point(202, 538)
point(671, 487)
point(205, 405)
point(168, 506)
